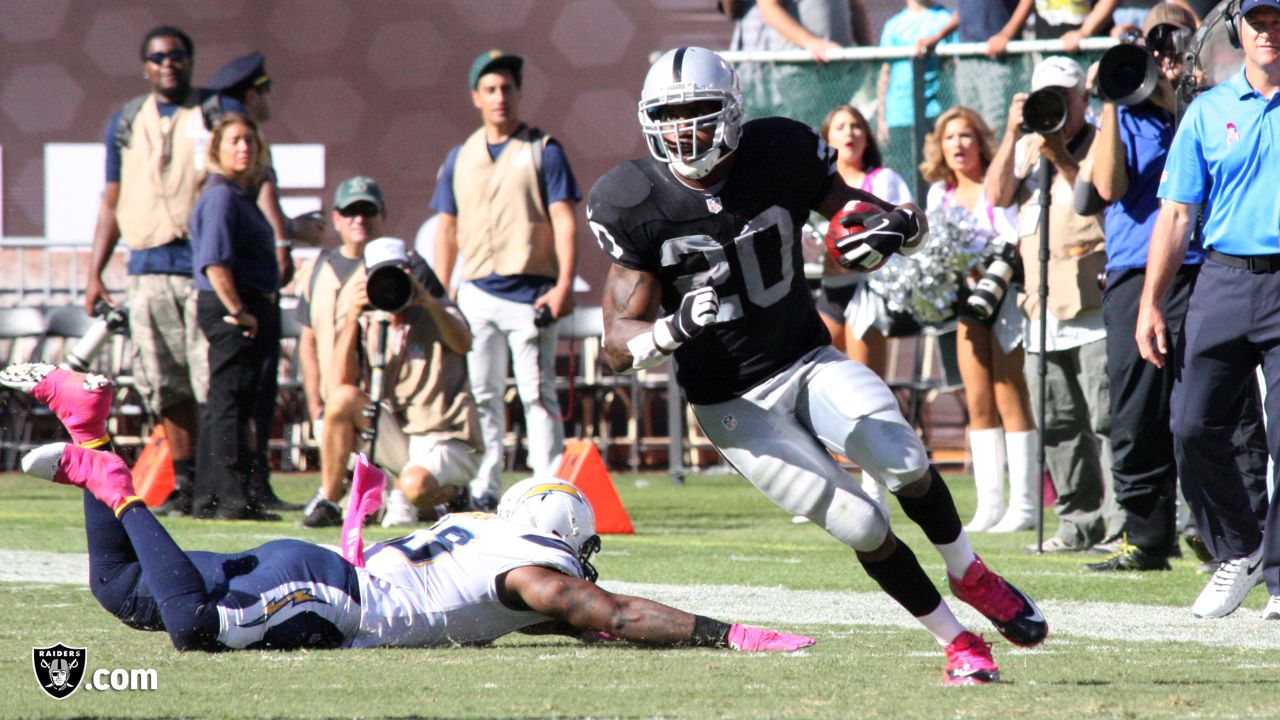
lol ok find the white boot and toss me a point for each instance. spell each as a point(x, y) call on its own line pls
point(876, 491)
point(987, 448)
point(1024, 473)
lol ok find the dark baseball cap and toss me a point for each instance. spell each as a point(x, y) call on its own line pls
point(1249, 6)
point(491, 60)
point(360, 188)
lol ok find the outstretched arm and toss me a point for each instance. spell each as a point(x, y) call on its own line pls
point(586, 607)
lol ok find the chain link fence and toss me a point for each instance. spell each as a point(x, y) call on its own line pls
point(792, 84)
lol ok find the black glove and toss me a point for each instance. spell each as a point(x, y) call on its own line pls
point(697, 310)
point(883, 234)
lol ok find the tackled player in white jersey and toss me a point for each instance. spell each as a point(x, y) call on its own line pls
point(470, 578)
point(704, 240)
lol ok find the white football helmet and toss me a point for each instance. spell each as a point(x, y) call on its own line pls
point(685, 75)
point(555, 507)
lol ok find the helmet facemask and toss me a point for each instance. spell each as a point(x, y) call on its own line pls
point(677, 142)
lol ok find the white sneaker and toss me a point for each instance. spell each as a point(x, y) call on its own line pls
point(1272, 610)
point(1230, 583)
point(399, 511)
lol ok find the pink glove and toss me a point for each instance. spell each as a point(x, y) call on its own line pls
point(752, 639)
point(593, 636)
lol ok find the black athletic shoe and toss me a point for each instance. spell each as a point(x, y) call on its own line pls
point(178, 504)
point(272, 502)
point(245, 513)
point(323, 514)
point(1130, 557)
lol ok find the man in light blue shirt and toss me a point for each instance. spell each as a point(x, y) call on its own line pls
point(1224, 166)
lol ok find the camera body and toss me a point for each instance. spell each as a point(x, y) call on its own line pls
point(1001, 266)
point(107, 320)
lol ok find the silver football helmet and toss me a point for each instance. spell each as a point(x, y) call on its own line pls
point(555, 507)
point(685, 75)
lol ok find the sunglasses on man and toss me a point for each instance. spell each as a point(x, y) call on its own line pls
point(158, 58)
point(364, 210)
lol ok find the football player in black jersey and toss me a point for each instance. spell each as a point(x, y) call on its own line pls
point(704, 241)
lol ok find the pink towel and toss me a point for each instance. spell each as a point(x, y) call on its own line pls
point(366, 497)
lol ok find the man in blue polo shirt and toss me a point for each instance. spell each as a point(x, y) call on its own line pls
point(1128, 160)
point(1225, 165)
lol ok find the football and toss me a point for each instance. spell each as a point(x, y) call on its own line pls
point(836, 231)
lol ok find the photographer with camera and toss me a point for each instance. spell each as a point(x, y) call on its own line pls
point(1049, 127)
point(401, 347)
point(1221, 174)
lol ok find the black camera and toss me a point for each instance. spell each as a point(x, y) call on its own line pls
point(542, 317)
point(387, 282)
point(1002, 264)
point(1045, 111)
point(1128, 73)
point(107, 320)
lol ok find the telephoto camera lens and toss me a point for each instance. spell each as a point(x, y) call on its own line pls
point(1045, 111)
point(1127, 75)
point(387, 281)
point(389, 287)
point(107, 320)
point(994, 283)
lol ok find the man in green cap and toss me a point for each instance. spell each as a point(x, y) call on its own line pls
point(505, 200)
point(428, 435)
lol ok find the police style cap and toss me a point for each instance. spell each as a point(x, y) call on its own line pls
point(491, 60)
point(360, 188)
point(243, 73)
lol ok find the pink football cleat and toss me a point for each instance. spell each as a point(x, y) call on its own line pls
point(102, 473)
point(81, 401)
point(969, 661)
point(1012, 611)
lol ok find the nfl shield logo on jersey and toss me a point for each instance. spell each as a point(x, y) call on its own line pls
point(730, 422)
point(59, 669)
point(713, 204)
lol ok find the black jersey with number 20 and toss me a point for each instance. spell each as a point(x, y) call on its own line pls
point(743, 239)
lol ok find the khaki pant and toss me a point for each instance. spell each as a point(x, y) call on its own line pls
point(170, 354)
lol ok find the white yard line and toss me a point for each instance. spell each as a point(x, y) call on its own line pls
point(786, 607)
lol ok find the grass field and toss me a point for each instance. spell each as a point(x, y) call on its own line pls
point(1120, 645)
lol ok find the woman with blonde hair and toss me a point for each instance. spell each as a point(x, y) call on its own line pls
point(957, 154)
point(237, 281)
point(856, 317)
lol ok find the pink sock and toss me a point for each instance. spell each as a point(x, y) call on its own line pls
point(102, 473)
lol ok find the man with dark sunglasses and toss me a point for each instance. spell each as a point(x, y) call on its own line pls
point(156, 146)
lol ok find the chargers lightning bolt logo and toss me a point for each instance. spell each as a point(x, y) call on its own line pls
point(297, 597)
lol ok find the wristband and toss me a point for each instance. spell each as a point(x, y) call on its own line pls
point(284, 244)
point(709, 633)
point(644, 350)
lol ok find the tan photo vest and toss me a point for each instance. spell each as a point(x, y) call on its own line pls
point(329, 301)
point(160, 171)
point(1077, 249)
point(503, 225)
